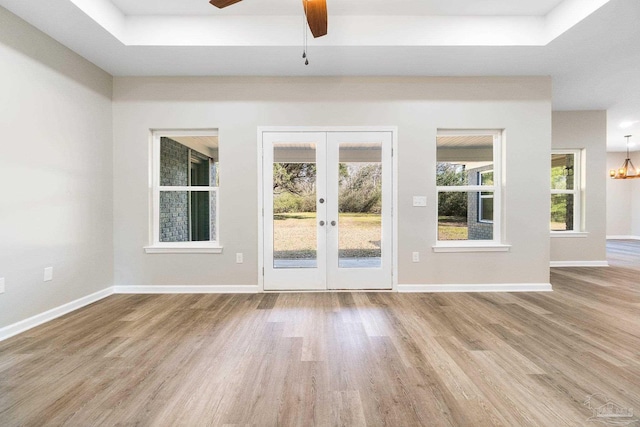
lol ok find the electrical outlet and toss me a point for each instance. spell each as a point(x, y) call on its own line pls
point(415, 257)
point(1, 285)
point(239, 258)
point(48, 274)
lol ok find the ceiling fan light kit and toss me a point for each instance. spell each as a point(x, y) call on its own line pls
point(627, 170)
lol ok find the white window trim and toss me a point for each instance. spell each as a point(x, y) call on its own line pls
point(494, 245)
point(578, 189)
point(566, 234)
point(155, 246)
point(470, 246)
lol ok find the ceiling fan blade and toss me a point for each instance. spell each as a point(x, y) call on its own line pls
point(316, 11)
point(223, 3)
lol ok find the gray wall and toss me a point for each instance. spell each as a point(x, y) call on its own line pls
point(417, 106)
point(635, 222)
point(585, 130)
point(623, 200)
point(56, 168)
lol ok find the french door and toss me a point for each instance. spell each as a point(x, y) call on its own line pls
point(327, 210)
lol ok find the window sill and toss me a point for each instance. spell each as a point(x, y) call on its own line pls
point(471, 247)
point(194, 249)
point(569, 234)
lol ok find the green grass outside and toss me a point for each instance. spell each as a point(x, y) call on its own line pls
point(452, 228)
point(295, 234)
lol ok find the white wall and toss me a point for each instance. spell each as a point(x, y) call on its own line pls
point(417, 106)
point(585, 130)
point(635, 208)
point(623, 200)
point(55, 173)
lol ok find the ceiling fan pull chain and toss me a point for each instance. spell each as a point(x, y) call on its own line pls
point(304, 34)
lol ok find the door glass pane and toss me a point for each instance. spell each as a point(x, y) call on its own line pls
point(360, 205)
point(295, 239)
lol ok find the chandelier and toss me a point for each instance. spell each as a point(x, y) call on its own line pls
point(627, 170)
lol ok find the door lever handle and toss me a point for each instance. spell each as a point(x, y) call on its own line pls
point(321, 223)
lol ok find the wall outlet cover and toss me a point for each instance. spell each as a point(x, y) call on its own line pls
point(239, 258)
point(415, 257)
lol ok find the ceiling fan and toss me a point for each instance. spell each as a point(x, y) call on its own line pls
point(315, 11)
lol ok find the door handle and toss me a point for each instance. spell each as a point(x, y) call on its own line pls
point(321, 200)
point(333, 223)
point(321, 223)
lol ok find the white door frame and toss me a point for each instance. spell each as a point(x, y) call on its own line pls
point(394, 186)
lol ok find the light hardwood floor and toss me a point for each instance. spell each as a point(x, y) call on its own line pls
point(346, 359)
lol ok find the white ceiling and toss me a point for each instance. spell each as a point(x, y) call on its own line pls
point(343, 7)
point(591, 48)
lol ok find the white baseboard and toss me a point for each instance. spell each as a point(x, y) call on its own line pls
point(579, 264)
point(498, 287)
point(209, 289)
point(39, 319)
point(32, 322)
point(623, 237)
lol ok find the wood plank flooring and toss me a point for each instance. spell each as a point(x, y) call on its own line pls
point(343, 359)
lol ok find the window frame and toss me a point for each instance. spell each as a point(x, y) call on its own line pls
point(496, 244)
point(578, 189)
point(155, 245)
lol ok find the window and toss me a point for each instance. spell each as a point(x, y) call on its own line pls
point(185, 192)
point(565, 190)
point(485, 210)
point(468, 186)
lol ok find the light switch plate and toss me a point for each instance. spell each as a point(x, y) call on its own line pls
point(415, 257)
point(1, 285)
point(48, 274)
point(239, 258)
point(420, 201)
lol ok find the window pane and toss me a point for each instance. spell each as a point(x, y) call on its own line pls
point(562, 212)
point(187, 216)
point(459, 158)
point(360, 205)
point(174, 163)
point(200, 214)
point(459, 215)
point(174, 216)
point(486, 177)
point(562, 171)
point(486, 207)
point(294, 206)
point(189, 161)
